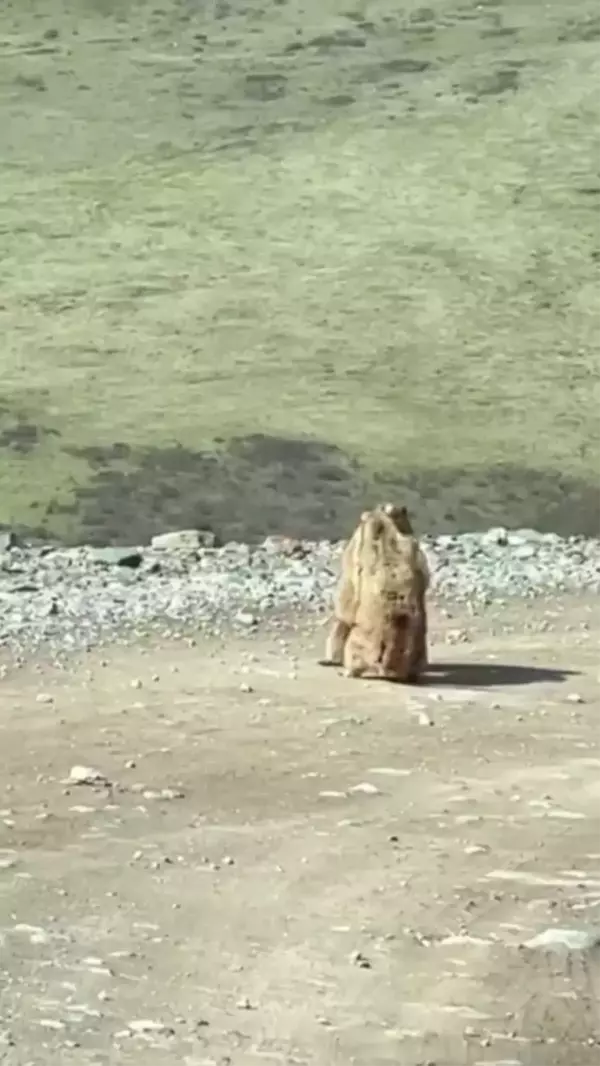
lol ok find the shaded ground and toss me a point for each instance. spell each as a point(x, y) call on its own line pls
point(329, 879)
point(263, 485)
point(372, 230)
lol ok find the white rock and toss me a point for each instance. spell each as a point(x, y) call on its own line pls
point(424, 719)
point(181, 540)
point(85, 775)
point(147, 1026)
point(496, 535)
point(559, 939)
point(476, 849)
point(367, 788)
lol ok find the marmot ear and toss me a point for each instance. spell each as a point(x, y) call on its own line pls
point(388, 508)
point(364, 516)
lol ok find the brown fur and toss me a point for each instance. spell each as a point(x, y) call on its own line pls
point(380, 621)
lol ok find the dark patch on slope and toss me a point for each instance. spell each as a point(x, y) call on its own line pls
point(260, 485)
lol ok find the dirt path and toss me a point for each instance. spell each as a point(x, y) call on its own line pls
point(328, 879)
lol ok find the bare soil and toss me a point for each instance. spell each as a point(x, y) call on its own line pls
point(330, 879)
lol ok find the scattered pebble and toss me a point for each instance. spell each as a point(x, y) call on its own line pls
point(424, 719)
point(183, 578)
point(358, 959)
point(145, 1026)
point(559, 939)
point(244, 1004)
point(367, 788)
point(86, 775)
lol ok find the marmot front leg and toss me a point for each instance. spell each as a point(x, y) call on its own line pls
point(336, 642)
point(357, 657)
point(344, 612)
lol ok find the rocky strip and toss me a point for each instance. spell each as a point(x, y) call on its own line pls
point(64, 599)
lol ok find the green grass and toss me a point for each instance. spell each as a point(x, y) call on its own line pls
point(301, 240)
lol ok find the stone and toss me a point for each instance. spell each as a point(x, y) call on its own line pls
point(366, 788)
point(129, 557)
point(244, 1004)
point(282, 545)
point(183, 540)
point(8, 540)
point(496, 535)
point(145, 1026)
point(86, 775)
point(358, 959)
point(525, 551)
point(566, 940)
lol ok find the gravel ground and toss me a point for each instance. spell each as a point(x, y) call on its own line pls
point(66, 599)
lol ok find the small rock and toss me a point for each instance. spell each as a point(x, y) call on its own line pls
point(496, 535)
point(457, 636)
point(244, 1004)
point(281, 545)
point(8, 540)
point(171, 794)
point(246, 688)
point(246, 618)
point(136, 683)
point(424, 719)
point(574, 697)
point(44, 697)
point(129, 557)
point(185, 540)
point(524, 551)
point(360, 960)
point(367, 788)
point(557, 939)
point(86, 775)
point(146, 1026)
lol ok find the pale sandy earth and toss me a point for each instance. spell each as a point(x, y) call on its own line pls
point(331, 879)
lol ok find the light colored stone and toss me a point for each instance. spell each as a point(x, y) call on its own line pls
point(85, 775)
point(187, 540)
point(559, 939)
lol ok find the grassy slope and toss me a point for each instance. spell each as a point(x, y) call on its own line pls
point(207, 239)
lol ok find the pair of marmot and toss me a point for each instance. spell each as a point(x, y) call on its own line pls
point(380, 619)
